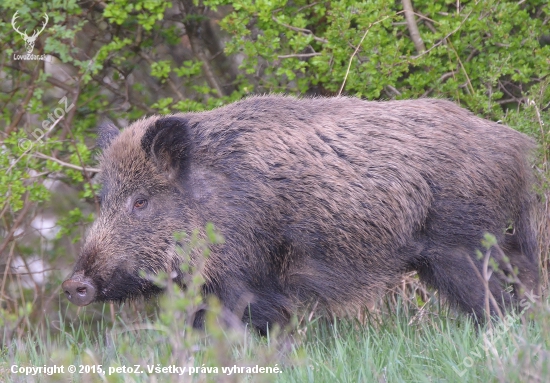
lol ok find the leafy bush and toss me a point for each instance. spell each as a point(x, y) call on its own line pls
point(124, 59)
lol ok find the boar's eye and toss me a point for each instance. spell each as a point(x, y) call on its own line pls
point(140, 203)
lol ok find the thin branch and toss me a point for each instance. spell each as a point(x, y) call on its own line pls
point(510, 100)
point(471, 55)
point(444, 38)
point(69, 117)
point(18, 220)
point(486, 273)
point(4, 209)
point(44, 134)
point(12, 93)
point(425, 18)
point(65, 164)
point(359, 46)
point(485, 283)
point(511, 95)
point(301, 30)
point(413, 27)
point(25, 102)
point(52, 80)
point(541, 124)
point(175, 89)
point(471, 89)
point(86, 174)
point(197, 49)
point(299, 55)
point(116, 92)
point(188, 8)
point(307, 6)
point(394, 90)
point(32, 272)
point(443, 78)
point(8, 262)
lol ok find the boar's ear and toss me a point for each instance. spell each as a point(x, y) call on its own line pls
point(167, 143)
point(106, 132)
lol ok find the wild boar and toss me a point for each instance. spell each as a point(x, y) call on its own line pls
point(324, 201)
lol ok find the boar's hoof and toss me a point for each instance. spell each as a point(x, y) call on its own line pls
point(79, 289)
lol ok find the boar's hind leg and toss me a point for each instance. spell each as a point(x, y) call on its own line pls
point(522, 262)
point(452, 272)
point(267, 311)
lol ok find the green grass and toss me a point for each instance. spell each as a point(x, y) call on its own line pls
point(403, 345)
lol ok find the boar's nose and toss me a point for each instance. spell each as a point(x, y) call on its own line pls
point(79, 289)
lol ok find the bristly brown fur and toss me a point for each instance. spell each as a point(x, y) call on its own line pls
point(320, 200)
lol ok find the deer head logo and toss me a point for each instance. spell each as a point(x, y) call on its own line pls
point(29, 40)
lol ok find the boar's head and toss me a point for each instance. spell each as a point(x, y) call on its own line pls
point(143, 204)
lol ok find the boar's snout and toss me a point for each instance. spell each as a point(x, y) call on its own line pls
point(79, 289)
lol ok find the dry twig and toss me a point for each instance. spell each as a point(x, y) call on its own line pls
point(359, 46)
point(66, 164)
point(301, 30)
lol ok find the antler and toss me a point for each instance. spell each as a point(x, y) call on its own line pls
point(43, 25)
point(24, 34)
point(15, 27)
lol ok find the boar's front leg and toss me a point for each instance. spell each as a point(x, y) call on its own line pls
point(257, 302)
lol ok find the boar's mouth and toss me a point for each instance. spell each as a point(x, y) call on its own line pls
point(83, 290)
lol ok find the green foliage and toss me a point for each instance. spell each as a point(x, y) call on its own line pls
point(188, 69)
point(161, 69)
point(125, 59)
point(148, 12)
point(435, 347)
point(69, 223)
point(162, 340)
point(484, 55)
